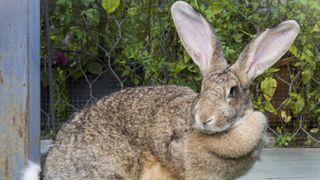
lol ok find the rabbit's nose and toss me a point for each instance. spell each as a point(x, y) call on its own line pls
point(208, 121)
point(204, 120)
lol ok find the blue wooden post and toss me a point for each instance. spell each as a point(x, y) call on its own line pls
point(19, 86)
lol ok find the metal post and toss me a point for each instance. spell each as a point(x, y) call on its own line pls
point(19, 86)
point(50, 74)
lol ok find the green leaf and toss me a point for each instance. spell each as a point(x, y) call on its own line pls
point(110, 5)
point(195, 3)
point(217, 7)
point(269, 107)
point(180, 66)
point(296, 103)
point(61, 2)
point(132, 11)
point(282, 7)
point(284, 139)
point(314, 130)
point(87, 1)
point(308, 142)
point(91, 14)
point(53, 36)
point(79, 33)
point(272, 70)
point(316, 28)
point(268, 87)
point(307, 72)
point(285, 117)
point(95, 68)
point(76, 75)
point(126, 72)
point(294, 50)
point(238, 37)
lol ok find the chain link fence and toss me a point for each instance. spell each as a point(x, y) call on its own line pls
point(103, 64)
point(295, 128)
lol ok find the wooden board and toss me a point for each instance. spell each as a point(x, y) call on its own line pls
point(19, 86)
point(288, 164)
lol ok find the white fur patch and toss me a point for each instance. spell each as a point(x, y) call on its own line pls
point(31, 172)
point(197, 124)
point(214, 129)
point(239, 121)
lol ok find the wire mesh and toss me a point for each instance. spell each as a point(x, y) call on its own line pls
point(79, 87)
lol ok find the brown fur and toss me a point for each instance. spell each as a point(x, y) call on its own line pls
point(108, 140)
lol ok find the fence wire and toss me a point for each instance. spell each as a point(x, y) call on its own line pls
point(299, 129)
point(83, 84)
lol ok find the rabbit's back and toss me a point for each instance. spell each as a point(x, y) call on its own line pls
point(109, 139)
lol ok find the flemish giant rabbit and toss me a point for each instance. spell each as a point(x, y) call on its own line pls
point(171, 132)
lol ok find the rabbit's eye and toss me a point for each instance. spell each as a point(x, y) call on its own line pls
point(233, 92)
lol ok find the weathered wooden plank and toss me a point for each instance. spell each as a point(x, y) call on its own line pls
point(19, 86)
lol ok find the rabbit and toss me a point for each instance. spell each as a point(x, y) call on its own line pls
point(172, 132)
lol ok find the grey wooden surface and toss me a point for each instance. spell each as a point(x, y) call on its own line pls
point(286, 164)
point(19, 86)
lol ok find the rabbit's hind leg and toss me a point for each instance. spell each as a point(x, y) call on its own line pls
point(111, 157)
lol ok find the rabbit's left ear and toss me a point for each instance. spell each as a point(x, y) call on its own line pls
point(198, 38)
point(265, 50)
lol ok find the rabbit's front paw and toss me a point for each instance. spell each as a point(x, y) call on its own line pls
point(253, 117)
point(260, 120)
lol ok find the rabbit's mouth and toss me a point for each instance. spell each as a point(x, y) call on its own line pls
point(212, 125)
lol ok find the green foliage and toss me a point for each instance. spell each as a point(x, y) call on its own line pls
point(95, 68)
point(110, 5)
point(296, 103)
point(268, 87)
point(284, 138)
point(138, 41)
point(285, 117)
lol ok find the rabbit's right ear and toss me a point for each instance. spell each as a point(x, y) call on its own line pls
point(265, 50)
point(197, 37)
